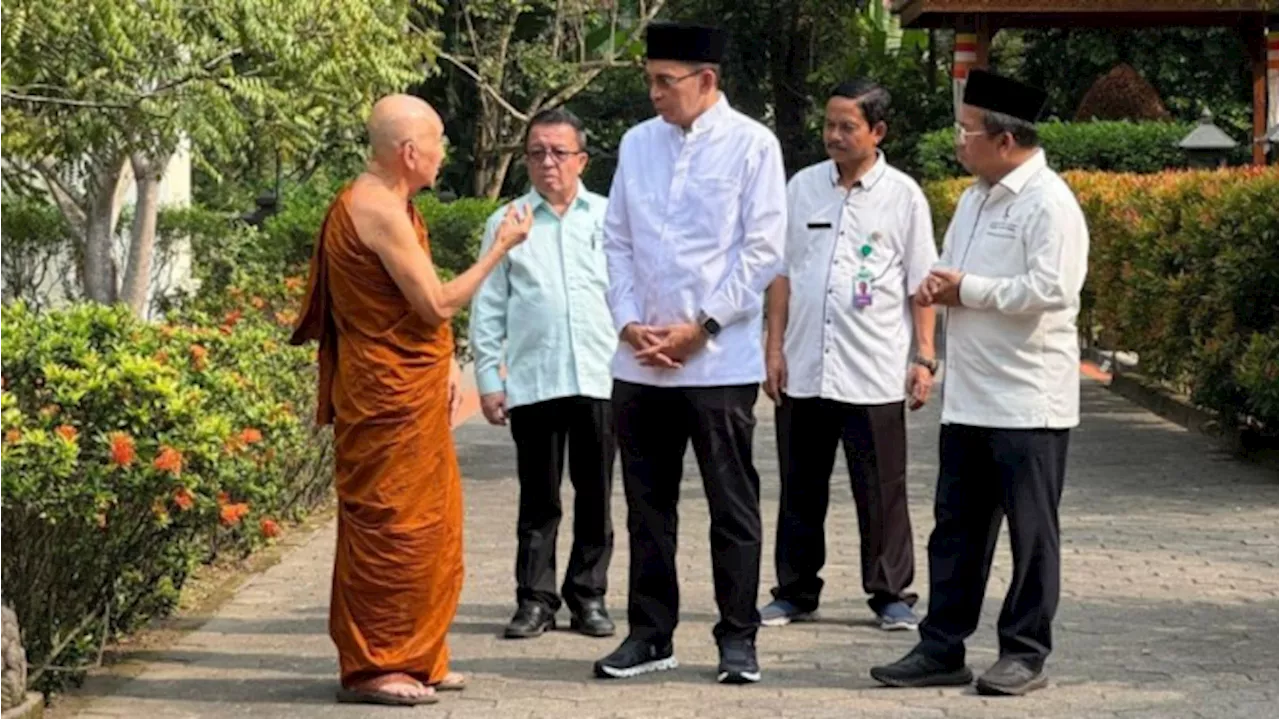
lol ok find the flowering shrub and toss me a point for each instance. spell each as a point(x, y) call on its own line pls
point(1182, 270)
point(133, 451)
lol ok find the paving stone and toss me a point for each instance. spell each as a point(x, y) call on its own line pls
point(1169, 604)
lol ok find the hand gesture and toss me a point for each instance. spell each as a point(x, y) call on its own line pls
point(676, 343)
point(643, 338)
point(514, 227)
point(775, 364)
point(494, 407)
point(941, 287)
point(919, 385)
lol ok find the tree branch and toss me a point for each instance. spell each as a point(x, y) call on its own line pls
point(569, 91)
point(493, 92)
point(46, 100)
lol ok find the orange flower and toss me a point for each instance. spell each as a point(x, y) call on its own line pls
point(232, 318)
point(13, 436)
point(257, 302)
point(162, 357)
point(167, 331)
point(231, 514)
point(183, 498)
point(223, 499)
point(232, 444)
point(250, 435)
point(122, 449)
point(49, 411)
point(235, 292)
point(293, 284)
point(67, 432)
point(270, 529)
point(169, 460)
point(199, 356)
point(286, 317)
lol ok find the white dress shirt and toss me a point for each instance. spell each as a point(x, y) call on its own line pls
point(696, 223)
point(878, 232)
point(1012, 350)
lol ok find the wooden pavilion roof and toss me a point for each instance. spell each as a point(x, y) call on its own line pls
point(1086, 13)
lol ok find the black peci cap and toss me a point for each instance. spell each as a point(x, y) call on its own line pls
point(685, 42)
point(997, 93)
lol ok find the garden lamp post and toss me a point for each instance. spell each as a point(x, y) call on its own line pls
point(1207, 145)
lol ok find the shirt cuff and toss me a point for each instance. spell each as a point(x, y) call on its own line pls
point(489, 381)
point(624, 317)
point(719, 310)
point(974, 291)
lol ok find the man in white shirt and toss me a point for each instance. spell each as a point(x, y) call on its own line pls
point(1012, 266)
point(693, 234)
point(859, 243)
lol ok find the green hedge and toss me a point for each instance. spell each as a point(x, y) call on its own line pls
point(1111, 146)
point(1183, 271)
point(133, 451)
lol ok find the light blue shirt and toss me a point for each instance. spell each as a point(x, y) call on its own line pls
point(543, 312)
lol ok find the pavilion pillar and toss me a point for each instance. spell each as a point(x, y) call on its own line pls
point(972, 49)
point(1256, 39)
point(1273, 82)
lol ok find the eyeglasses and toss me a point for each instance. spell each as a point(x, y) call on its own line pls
point(667, 81)
point(962, 135)
point(557, 155)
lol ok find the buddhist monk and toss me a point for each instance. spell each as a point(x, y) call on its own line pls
point(387, 381)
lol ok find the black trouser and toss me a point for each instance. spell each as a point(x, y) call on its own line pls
point(987, 474)
point(541, 431)
point(875, 447)
point(655, 424)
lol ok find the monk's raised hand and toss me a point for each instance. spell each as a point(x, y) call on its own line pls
point(515, 226)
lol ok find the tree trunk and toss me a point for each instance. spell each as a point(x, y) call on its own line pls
point(142, 237)
point(98, 269)
point(790, 101)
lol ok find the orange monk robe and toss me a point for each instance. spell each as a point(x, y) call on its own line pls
point(384, 384)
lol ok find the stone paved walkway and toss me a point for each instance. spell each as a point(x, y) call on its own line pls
point(1169, 606)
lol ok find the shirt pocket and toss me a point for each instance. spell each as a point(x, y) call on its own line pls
point(711, 208)
point(1000, 250)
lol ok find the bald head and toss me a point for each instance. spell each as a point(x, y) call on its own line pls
point(399, 118)
point(406, 137)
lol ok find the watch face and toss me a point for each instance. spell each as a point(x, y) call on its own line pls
point(712, 327)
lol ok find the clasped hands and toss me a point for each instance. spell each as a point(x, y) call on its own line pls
point(665, 347)
point(941, 287)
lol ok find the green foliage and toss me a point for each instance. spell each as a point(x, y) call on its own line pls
point(1191, 68)
point(1110, 146)
point(37, 240)
point(1182, 270)
point(901, 63)
point(134, 451)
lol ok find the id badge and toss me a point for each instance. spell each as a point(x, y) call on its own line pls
point(862, 294)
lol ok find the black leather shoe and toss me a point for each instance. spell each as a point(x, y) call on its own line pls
point(592, 621)
point(531, 620)
point(918, 669)
point(1010, 677)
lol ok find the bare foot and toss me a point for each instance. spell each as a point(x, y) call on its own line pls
point(396, 684)
point(453, 681)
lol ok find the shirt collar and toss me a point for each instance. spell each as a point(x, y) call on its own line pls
point(709, 117)
point(868, 180)
point(535, 200)
point(1018, 178)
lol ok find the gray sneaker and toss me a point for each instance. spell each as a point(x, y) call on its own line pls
point(897, 616)
point(780, 613)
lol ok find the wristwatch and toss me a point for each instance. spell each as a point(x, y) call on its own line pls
point(708, 324)
point(929, 364)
